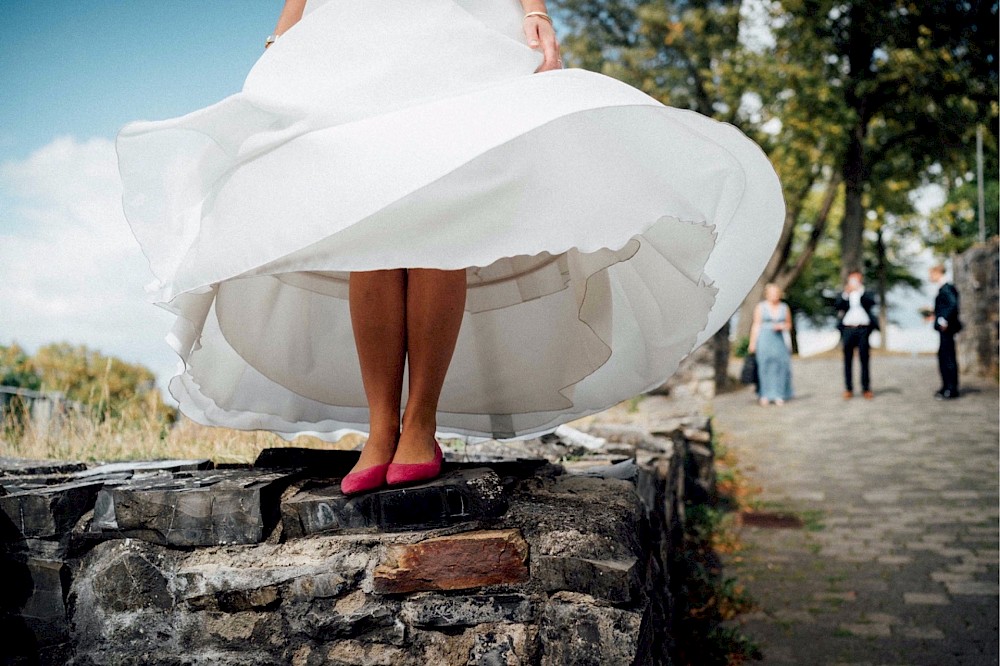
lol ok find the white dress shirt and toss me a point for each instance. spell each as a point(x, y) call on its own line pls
point(856, 315)
point(940, 283)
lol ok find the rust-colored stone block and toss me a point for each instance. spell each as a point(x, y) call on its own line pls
point(454, 562)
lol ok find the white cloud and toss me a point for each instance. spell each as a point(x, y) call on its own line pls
point(70, 268)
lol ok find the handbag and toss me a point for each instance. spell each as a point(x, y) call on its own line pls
point(749, 373)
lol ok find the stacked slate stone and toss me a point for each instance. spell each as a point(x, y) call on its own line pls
point(977, 278)
point(549, 551)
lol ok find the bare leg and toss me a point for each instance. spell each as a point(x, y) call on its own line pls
point(435, 302)
point(378, 318)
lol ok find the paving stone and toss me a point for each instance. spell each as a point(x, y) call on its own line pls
point(835, 596)
point(932, 598)
point(982, 558)
point(949, 576)
point(808, 496)
point(881, 497)
point(894, 488)
point(937, 538)
point(972, 587)
point(461, 561)
point(921, 633)
point(967, 568)
point(869, 585)
point(882, 618)
point(894, 559)
point(787, 615)
point(960, 494)
point(873, 630)
point(455, 497)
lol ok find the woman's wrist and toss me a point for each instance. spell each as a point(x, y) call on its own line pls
point(533, 6)
point(539, 15)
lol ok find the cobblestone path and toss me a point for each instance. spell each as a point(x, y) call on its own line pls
point(896, 563)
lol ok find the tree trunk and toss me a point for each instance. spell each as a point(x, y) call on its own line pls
point(862, 28)
point(853, 226)
point(745, 320)
point(883, 279)
point(789, 274)
point(794, 335)
point(776, 265)
point(720, 358)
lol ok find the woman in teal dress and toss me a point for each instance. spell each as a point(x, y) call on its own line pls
point(771, 318)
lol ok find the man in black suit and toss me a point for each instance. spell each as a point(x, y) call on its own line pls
point(947, 323)
point(856, 320)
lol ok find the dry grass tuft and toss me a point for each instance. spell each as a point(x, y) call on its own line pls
point(139, 432)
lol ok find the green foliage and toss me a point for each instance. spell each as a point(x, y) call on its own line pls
point(913, 81)
point(884, 96)
point(955, 225)
point(16, 368)
point(706, 597)
point(742, 347)
point(104, 383)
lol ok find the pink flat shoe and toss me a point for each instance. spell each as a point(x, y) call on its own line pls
point(366, 479)
point(399, 473)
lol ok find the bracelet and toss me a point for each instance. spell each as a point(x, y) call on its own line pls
point(539, 15)
point(271, 39)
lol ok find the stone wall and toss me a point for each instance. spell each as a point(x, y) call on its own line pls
point(549, 551)
point(696, 376)
point(976, 273)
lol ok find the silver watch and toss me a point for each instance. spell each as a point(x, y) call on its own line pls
point(271, 39)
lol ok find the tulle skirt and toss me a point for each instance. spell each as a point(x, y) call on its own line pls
point(604, 235)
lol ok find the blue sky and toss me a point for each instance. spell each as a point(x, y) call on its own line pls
point(73, 72)
point(88, 67)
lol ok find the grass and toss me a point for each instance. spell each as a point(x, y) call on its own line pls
point(709, 601)
point(812, 519)
point(138, 431)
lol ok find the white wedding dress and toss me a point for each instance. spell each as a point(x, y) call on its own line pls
point(604, 235)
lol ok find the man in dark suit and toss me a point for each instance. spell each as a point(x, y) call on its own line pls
point(947, 323)
point(856, 320)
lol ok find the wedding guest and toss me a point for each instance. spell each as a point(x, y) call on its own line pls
point(771, 318)
point(947, 324)
point(856, 321)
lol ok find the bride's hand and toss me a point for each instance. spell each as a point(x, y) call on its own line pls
point(541, 36)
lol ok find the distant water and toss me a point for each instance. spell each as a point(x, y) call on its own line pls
point(909, 339)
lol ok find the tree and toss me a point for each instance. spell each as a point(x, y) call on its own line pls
point(685, 54)
point(16, 368)
point(692, 55)
point(105, 383)
point(955, 225)
point(915, 78)
point(849, 96)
